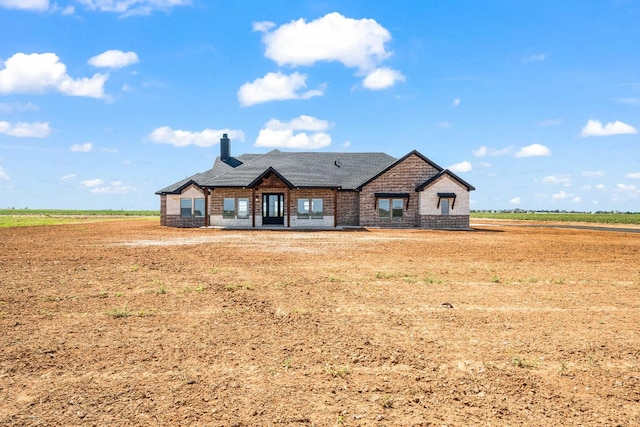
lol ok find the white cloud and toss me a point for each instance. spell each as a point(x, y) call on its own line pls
point(17, 107)
point(115, 187)
point(286, 134)
point(481, 152)
point(533, 150)
point(444, 125)
point(132, 7)
point(114, 59)
point(563, 195)
point(36, 5)
point(68, 177)
point(560, 195)
point(538, 57)
point(515, 201)
point(42, 72)
point(593, 174)
point(69, 10)
point(484, 151)
point(560, 179)
point(82, 148)
point(456, 102)
point(346, 144)
point(26, 130)
point(355, 43)
point(382, 78)
point(601, 187)
point(91, 183)
point(595, 128)
point(4, 176)
point(275, 86)
point(625, 192)
point(633, 175)
point(464, 166)
point(263, 26)
point(183, 138)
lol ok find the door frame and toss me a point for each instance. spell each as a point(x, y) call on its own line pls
point(278, 219)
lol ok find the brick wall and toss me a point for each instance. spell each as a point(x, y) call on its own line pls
point(402, 178)
point(178, 221)
point(445, 221)
point(348, 208)
point(163, 209)
point(219, 194)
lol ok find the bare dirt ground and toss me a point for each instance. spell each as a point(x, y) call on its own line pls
point(128, 323)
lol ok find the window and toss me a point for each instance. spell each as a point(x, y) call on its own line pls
point(185, 208)
point(444, 206)
point(392, 205)
point(310, 208)
point(445, 202)
point(397, 208)
point(243, 208)
point(198, 207)
point(383, 208)
point(303, 208)
point(316, 209)
point(229, 208)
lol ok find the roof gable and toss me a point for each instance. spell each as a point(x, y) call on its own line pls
point(397, 162)
point(441, 174)
point(270, 177)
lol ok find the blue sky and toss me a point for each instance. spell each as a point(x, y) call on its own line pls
point(535, 103)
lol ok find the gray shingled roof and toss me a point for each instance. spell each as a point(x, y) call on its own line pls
point(329, 170)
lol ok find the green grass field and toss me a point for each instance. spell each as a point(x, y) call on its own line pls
point(31, 217)
point(601, 218)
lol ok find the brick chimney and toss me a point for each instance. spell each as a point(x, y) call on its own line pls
point(225, 147)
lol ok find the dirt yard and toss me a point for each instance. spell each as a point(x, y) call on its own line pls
point(128, 323)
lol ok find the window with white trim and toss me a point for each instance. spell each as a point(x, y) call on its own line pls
point(243, 208)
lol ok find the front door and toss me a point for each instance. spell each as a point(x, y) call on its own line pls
point(273, 209)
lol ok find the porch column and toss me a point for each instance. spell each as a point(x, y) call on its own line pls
point(253, 208)
point(206, 207)
point(288, 208)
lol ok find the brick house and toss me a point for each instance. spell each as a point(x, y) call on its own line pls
point(306, 190)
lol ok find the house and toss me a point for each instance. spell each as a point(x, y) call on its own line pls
point(306, 190)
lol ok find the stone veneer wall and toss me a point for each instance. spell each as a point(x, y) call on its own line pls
point(445, 221)
point(348, 208)
point(402, 178)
